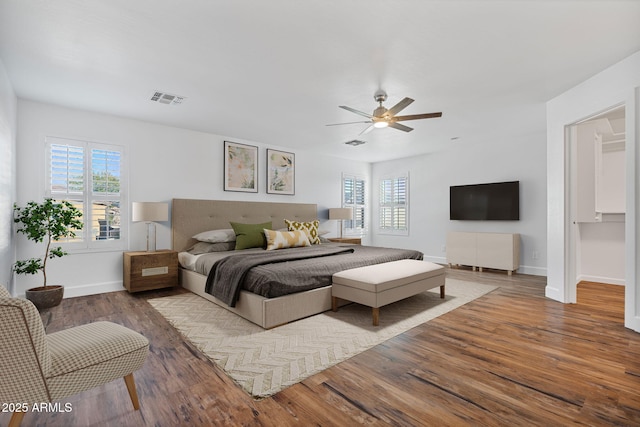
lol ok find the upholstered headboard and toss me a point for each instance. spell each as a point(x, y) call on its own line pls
point(191, 216)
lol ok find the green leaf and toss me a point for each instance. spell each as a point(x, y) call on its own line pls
point(29, 266)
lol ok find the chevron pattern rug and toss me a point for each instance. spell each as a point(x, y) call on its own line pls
point(264, 362)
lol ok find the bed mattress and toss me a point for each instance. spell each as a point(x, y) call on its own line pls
point(283, 278)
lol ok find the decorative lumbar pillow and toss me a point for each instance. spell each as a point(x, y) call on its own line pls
point(286, 239)
point(206, 247)
point(216, 236)
point(311, 227)
point(250, 235)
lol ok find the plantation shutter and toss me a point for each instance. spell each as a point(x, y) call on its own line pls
point(67, 179)
point(393, 209)
point(67, 171)
point(354, 196)
point(90, 176)
point(105, 195)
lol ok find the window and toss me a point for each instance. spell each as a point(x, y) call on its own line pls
point(353, 196)
point(394, 205)
point(92, 177)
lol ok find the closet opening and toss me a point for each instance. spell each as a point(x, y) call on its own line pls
point(598, 204)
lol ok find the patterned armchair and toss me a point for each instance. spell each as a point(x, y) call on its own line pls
point(38, 368)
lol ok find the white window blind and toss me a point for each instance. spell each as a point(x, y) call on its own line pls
point(354, 196)
point(393, 209)
point(91, 176)
point(67, 170)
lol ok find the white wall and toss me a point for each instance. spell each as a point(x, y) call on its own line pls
point(611, 196)
point(164, 163)
point(474, 161)
point(616, 85)
point(8, 108)
point(601, 252)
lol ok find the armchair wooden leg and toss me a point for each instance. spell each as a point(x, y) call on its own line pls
point(131, 387)
point(16, 419)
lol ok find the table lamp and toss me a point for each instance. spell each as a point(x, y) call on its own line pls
point(341, 214)
point(150, 212)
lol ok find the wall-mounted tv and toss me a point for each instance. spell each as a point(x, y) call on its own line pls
point(499, 201)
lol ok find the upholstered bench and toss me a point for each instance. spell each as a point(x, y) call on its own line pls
point(381, 284)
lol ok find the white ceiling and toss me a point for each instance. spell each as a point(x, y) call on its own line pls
point(274, 72)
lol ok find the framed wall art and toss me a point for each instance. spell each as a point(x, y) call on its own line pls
point(240, 167)
point(280, 172)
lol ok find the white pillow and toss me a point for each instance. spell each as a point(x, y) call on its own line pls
point(216, 236)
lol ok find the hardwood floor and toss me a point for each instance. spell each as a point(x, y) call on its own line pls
point(511, 357)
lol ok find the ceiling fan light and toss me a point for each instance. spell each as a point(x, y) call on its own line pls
point(380, 124)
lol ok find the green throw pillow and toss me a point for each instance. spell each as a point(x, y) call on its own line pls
point(250, 235)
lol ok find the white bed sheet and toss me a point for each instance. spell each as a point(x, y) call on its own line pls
point(188, 261)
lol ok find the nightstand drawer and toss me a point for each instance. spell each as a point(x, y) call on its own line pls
point(150, 270)
point(354, 240)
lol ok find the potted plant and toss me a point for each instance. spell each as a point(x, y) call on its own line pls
point(48, 221)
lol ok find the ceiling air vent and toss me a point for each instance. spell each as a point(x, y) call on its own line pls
point(355, 142)
point(166, 98)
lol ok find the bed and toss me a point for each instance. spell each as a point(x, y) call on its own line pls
point(191, 216)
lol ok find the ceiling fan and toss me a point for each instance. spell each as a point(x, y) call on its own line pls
point(383, 117)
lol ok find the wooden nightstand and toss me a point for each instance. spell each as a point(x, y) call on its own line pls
point(150, 270)
point(354, 240)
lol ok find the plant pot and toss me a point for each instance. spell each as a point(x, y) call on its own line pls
point(45, 297)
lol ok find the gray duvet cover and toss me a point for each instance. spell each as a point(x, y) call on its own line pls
point(283, 277)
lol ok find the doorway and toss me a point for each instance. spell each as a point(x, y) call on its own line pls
point(597, 200)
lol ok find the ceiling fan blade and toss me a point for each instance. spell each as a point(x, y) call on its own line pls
point(400, 127)
point(399, 107)
point(367, 130)
point(356, 111)
point(348, 123)
point(417, 117)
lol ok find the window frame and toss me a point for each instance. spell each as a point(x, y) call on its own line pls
point(382, 205)
point(86, 241)
point(355, 231)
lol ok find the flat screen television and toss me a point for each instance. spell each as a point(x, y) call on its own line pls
point(499, 201)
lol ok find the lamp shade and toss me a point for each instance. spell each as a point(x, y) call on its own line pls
point(150, 211)
point(341, 213)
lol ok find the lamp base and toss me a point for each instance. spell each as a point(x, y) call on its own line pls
point(151, 237)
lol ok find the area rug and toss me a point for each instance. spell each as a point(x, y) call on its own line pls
point(264, 362)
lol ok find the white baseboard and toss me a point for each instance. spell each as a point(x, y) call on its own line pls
point(92, 289)
point(534, 271)
point(600, 279)
point(436, 259)
point(554, 294)
point(101, 288)
point(523, 269)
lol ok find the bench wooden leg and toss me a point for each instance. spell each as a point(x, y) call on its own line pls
point(442, 291)
point(334, 303)
point(376, 315)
